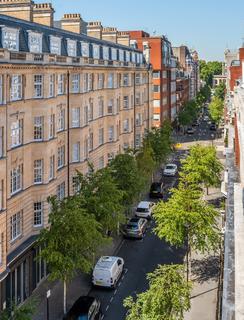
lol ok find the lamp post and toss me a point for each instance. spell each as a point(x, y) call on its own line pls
point(48, 296)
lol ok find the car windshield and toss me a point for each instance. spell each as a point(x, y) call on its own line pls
point(170, 167)
point(142, 209)
point(132, 226)
point(83, 317)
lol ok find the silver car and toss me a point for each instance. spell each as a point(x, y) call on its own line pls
point(135, 228)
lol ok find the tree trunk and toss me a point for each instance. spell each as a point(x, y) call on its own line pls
point(207, 190)
point(65, 297)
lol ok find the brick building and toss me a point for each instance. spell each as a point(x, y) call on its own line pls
point(65, 98)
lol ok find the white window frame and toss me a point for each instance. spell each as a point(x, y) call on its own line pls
point(75, 122)
point(16, 225)
point(105, 53)
point(61, 84)
point(76, 152)
point(38, 214)
point(85, 49)
point(10, 38)
point(17, 133)
point(114, 54)
point(38, 86)
point(127, 56)
point(55, 45)
point(110, 106)
point(1, 90)
point(121, 55)
point(51, 123)
point(96, 51)
point(75, 83)
point(111, 134)
point(51, 85)
point(38, 128)
point(35, 42)
point(61, 157)
point(16, 178)
point(100, 107)
point(71, 48)
point(100, 136)
point(100, 81)
point(61, 191)
point(52, 167)
point(16, 87)
point(38, 171)
point(126, 124)
point(110, 80)
point(1, 142)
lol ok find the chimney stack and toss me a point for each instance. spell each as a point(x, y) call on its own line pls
point(94, 29)
point(73, 22)
point(109, 34)
point(21, 9)
point(43, 13)
point(123, 38)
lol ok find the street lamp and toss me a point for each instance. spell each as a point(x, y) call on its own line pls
point(48, 296)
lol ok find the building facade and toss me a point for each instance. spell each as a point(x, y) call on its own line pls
point(65, 99)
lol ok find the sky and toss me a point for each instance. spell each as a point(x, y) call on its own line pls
point(208, 26)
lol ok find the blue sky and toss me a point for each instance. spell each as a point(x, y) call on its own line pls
point(209, 26)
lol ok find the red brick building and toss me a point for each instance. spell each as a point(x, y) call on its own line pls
point(158, 52)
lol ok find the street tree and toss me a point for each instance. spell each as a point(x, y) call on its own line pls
point(216, 109)
point(100, 196)
point(125, 171)
point(219, 91)
point(168, 296)
point(208, 70)
point(145, 161)
point(70, 242)
point(15, 312)
point(202, 166)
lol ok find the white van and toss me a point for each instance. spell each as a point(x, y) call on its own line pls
point(107, 271)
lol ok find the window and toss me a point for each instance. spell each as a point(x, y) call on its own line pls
point(156, 117)
point(76, 152)
point(16, 133)
point(38, 128)
point(138, 141)
point(164, 75)
point(61, 84)
point(105, 53)
point(76, 184)
point(86, 115)
point(86, 148)
point(114, 54)
point(38, 171)
point(61, 157)
point(96, 51)
point(138, 98)
point(126, 126)
point(100, 107)
point(38, 86)
point(61, 191)
point(110, 106)
point(51, 121)
point(10, 38)
point(138, 78)
point(1, 142)
point(90, 142)
point(51, 85)
point(51, 167)
point(126, 102)
point(126, 80)
point(117, 105)
point(55, 45)
point(84, 49)
point(121, 55)
point(127, 56)
point(75, 80)
point(101, 136)
point(38, 214)
point(111, 134)
point(75, 117)
point(165, 101)
point(110, 156)
point(90, 111)
point(35, 42)
point(16, 225)
point(16, 88)
point(156, 74)
point(1, 90)
point(101, 162)
point(156, 103)
point(100, 80)
point(72, 48)
point(61, 119)
point(1, 248)
point(16, 179)
point(90, 82)
point(138, 119)
point(1, 194)
point(164, 87)
point(85, 82)
point(156, 88)
point(110, 80)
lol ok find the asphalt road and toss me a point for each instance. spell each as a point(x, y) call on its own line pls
point(143, 256)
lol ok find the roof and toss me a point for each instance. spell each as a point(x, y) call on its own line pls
point(25, 26)
point(106, 262)
point(144, 204)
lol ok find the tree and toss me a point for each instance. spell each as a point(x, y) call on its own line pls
point(127, 176)
point(167, 298)
point(24, 312)
point(100, 196)
point(71, 241)
point(188, 113)
point(220, 91)
point(202, 166)
point(209, 69)
point(145, 161)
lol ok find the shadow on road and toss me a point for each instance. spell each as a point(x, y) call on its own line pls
point(205, 269)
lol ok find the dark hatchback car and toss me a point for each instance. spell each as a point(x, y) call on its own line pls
point(135, 228)
point(85, 308)
point(213, 127)
point(156, 190)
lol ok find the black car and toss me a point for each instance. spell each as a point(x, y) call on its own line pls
point(156, 190)
point(213, 127)
point(85, 308)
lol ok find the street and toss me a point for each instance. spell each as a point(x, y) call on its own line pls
point(143, 256)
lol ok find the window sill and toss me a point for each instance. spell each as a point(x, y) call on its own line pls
point(16, 192)
point(13, 241)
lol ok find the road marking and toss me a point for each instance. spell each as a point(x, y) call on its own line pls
point(115, 292)
point(107, 307)
point(102, 317)
point(111, 299)
point(119, 284)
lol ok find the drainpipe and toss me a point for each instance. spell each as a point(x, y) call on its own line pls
point(68, 132)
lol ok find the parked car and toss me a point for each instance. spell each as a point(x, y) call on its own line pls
point(87, 308)
point(170, 170)
point(206, 118)
point(107, 271)
point(135, 228)
point(144, 209)
point(190, 130)
point(195, 123)
point(213, 127)
point(156, 190)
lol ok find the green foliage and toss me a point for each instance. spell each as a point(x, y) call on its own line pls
point(202, 167)
point(71, 241)
point(24, 312)
point(209, 69)
point(167, 298)
point(220, 91)
point(216, 109)
point(101, 197)
point(189, 112)
point(185, 213)
point(127, 176)
point(145, 161)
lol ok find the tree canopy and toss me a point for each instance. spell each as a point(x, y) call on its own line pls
point(209, 69)
point(168, 296)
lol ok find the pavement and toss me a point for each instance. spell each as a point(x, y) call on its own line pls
point(142, 257)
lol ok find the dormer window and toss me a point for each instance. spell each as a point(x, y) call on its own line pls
point(84, 49)
point(35, 42)
point(55, 45)
point(133, 57)
point(105, 53)
point(10, 38)
point(114, 54)
point(96, 53)
point(121, 55)
point(127, 56)
point(72, 48)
